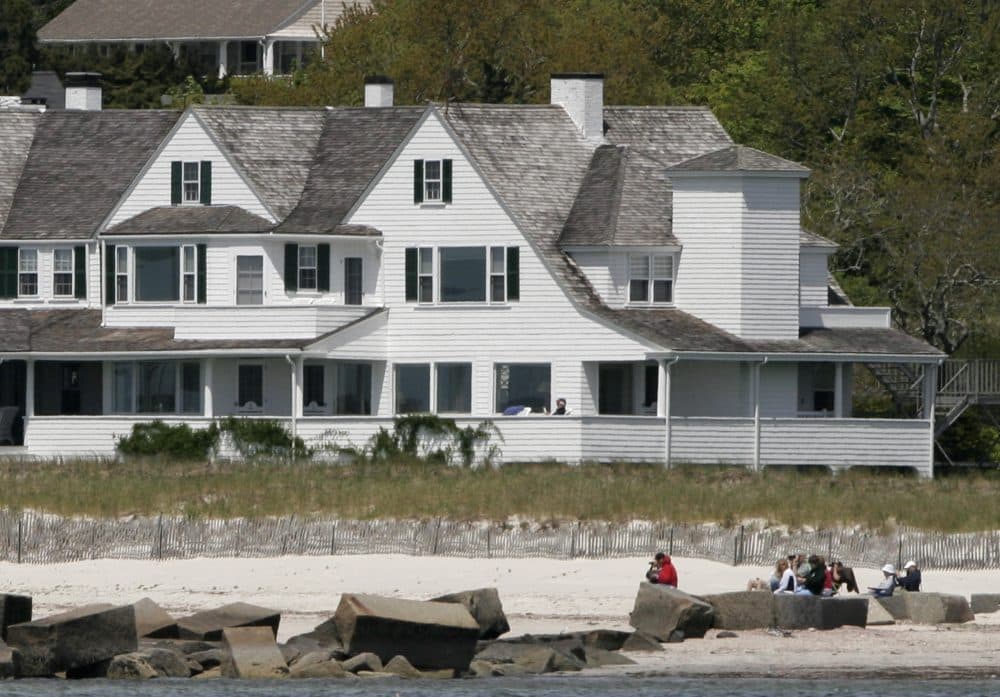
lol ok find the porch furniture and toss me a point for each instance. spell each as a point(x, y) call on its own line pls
point(8, 415)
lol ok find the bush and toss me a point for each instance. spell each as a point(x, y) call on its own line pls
point(263, 438)
point(157, 439)
point(433, 439)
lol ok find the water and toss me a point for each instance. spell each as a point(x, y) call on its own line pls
point(577, 686)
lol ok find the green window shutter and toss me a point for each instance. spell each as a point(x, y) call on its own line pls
point(205, 185)
point(8, 272)
point(291, 267)
point(418, 181)
point(109, 275)
point(176, 188)
point(446, 181)
point(513, 273)
point(202, 281)
point(80, 272)
point(412, 282)
point(323, 267)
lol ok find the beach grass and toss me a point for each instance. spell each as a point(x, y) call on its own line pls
point(727, 495)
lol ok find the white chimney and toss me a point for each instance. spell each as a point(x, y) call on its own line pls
point(83, 91)
point(582, 96)
point(378, 91)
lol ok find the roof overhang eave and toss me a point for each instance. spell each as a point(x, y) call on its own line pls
point(804, 357)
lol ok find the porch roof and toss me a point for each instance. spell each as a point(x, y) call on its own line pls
point(80, 332)
point(191, 220)
point(871, 341)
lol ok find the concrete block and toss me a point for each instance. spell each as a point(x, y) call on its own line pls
point(938, 608)
point(253, 654)
point(10, 662)
point(485, 607)
point(208, 625)
point(640, 641)
point(895, 605)
point(597, 658)
point(14, 609)
point(607, 639)
point(76, 639)
point(153, 622)
point(742, 610)
point(660, 610)
point(811, 611)
point(985, 603)
point(430, 635)
point(878, 615)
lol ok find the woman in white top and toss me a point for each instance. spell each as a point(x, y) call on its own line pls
point(788, 583)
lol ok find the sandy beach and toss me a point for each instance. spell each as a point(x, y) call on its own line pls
point(539, 596)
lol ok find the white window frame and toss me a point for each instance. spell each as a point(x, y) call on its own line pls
point(56, 273)
point(191, 275)
point(236, 280)
point(439, 180)
point(431, 252)
point(196, 182)
point(257, 408)
point(133, 281)
point(23, 252)
point(491, 274)
point(314, 267)
point(123, 260)
point(651, 277)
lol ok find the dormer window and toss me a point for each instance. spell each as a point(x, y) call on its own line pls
point(191, 183)
point(651, 279)
point(432, 181)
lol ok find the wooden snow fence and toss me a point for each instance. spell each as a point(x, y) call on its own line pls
point(35, 538)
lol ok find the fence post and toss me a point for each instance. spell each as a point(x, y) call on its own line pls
point(437, 532)
point(829, 546)
point(333, 537)
point(572, 542)
point(899, 553)
point(742, 544)
point(159, 548)
point(20, 533)
point(489, 542)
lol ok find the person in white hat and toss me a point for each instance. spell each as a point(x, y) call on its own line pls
point(888, 584)
point(910, 581)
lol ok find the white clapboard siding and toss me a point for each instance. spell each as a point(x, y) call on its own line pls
point(770, 258)
point(779, 389)
point(710, 388)
point(607, 272)
point(813, 277)
point(189, 143)
point(87, 436)
point(543, 326)
point(322, 12)
point(846, 442)
point(622, 438)
point(270, 322)
point(365, 340)
point(707, 441)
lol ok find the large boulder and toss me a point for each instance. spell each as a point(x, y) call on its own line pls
point(14, 609)
point(607, 639)
point(984, 603)
point(529, 658)
point(10, 662)
point(208, 625)
point(485, 607)
point(253, 654)
point(640, 641)
point(937, 608)
point(430, 635)
point(130, 666)
point(75, 639)
point(153, 622)
point(814, 612)
point(317, 664)
point(742, 610)
point(660, 610)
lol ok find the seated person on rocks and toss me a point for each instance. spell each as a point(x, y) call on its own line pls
point(662, 571)
point(910, 580)
point(779, 570)
point(843, 575)
point(828, 589)
point(888, 584)
point(812, 584)
point(788, 582)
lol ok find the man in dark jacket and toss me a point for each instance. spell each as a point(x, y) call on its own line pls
point(910, 581)
point(813, 582)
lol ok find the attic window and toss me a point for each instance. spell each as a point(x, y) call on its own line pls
point(191, 189)
point(191, 182)
point(432, 181)
point(651, 279)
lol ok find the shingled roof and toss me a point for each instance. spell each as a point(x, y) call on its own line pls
point(274, 148)
point(17, 131)
point(739, 158)
point(144, 20)
point(191, 220)
point(354, 145)
point(78, 167)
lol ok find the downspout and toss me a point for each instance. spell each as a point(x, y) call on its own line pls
point(103, 252)
point(756, 413)
point(665, 397)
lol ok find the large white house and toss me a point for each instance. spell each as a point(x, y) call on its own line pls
point(334, 267)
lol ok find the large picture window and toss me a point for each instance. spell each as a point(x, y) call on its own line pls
point(454, 388)
point(413, 389)
point(157, 274)
point(463, 274)
point(157, 393)
point(523, 385)
point(155, 387)
point(354, 389)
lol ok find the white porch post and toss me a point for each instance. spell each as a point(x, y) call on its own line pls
point(208, 406)
point(296, 374)
point(755, 389)
point(928, 406)
point(268, 57)
point(663, 404)
point(223, 59)
point(29, 389)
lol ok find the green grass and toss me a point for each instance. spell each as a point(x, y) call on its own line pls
point(539, 492)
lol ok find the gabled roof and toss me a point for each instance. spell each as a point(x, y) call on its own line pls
point(273, 147)
point(191, 220)
point(354, 145)
point(125, 20)
point(78, 167)
point(739, 158)
point(811, 239)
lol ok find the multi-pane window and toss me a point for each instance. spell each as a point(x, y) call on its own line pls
point(249, 280)
point(413, 389)
point(121, 274)
point(189, 271)
point(27, 272)
point(465, 274)
point(191, 182)
point(426, 275)
point(250, 387)
point(155, 387)
point(432, 180)
point(454, 388)
point(62, 273)
point(498, 275)
point(307, 267)
point(353, 281)
point(651, 278)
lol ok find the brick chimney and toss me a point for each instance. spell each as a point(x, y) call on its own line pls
point(582, 96)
